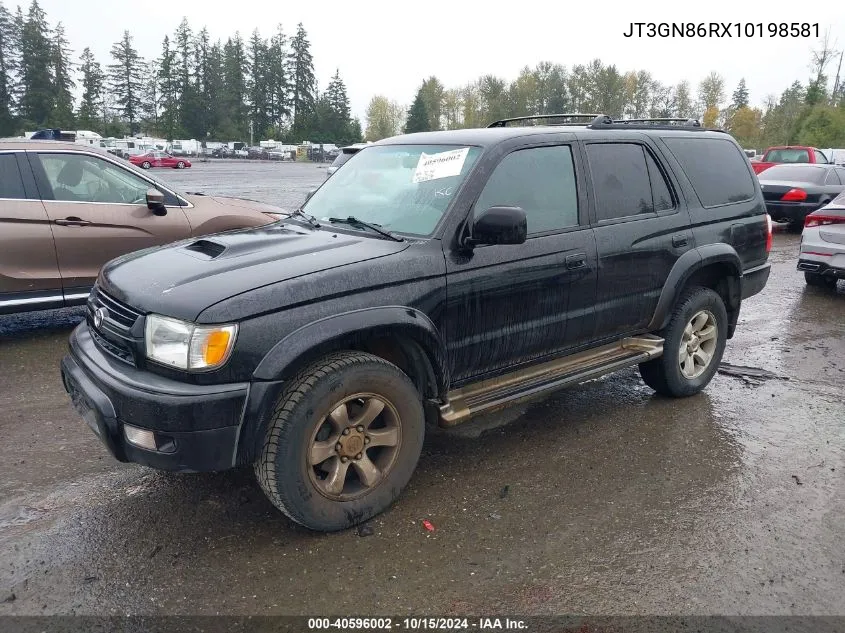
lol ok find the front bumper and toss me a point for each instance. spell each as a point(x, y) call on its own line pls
point(197, 427)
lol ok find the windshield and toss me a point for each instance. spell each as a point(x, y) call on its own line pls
point(403, 188)
point(788, 156)
point(799, 173)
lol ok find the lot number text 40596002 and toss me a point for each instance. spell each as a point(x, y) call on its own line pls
point(416, 624)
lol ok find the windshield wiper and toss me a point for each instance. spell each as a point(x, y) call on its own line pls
point(353, 221)
point(308, 218)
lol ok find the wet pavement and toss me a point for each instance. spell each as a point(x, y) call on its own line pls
point(601, 499)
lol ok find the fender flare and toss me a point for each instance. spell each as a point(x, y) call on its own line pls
point(402, 321)
point(686, 265)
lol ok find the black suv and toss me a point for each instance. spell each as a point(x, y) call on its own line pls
point(436, 276)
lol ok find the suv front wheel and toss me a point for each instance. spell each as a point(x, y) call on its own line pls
point(694, 341)
point(344, 439)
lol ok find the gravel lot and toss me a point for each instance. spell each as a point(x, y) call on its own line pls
point(600, 499)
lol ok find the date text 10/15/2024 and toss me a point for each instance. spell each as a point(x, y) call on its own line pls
point(722, 29)
point(417, 624)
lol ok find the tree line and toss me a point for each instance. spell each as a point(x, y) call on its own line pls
point(811, 113)
point(233, 90)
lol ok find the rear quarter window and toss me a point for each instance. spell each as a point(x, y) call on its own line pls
point(717, 169)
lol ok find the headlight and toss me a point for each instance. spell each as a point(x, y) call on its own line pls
point(187, 346)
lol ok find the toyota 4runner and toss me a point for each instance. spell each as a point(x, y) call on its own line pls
point(437, 276)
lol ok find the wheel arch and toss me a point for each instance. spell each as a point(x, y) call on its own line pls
point(403, 336)
point(714, 266)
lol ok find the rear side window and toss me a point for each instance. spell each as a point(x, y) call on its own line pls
point(718, 171)
point(11, 185)
point(620, 180)
point(540, 180)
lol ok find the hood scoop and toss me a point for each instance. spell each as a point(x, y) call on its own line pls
point(206, 248)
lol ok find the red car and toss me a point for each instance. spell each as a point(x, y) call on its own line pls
point(788, 154)
point(159, 159)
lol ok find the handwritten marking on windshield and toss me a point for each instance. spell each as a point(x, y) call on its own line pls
point(447, 191)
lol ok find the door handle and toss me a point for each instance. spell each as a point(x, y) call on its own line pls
point(579, 260)
point(679, 240)
point(72, 221)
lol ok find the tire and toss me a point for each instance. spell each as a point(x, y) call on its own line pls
point(180, 165)
point(818, 281)
point(146, 164)
point(664, 374)
point(300, 484)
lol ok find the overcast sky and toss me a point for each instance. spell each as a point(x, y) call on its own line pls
point(389, 47)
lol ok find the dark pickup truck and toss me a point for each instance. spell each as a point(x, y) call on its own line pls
point(437, 276)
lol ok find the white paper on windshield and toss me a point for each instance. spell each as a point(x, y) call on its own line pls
point(440, 165)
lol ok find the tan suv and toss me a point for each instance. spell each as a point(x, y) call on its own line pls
point(66, 209)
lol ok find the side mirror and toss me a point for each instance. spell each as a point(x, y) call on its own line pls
point(155, 202)
point(309, 194)
point(499, 225)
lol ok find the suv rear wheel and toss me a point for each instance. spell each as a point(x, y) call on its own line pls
point(694, 341)
point(344, 439)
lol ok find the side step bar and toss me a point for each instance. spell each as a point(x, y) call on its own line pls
point(496, 393)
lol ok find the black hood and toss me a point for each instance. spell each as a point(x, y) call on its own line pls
point(184, 278)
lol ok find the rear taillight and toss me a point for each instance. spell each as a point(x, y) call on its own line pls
point(768, 233)
point(823, 220)
point(795, 195)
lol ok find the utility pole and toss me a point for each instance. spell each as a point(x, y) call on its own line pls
point(250, 134)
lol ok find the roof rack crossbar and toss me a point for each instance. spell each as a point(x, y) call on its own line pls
point(656, 121)
point(538, 117)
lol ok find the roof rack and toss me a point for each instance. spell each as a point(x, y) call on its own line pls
point(538, 117)
point(604, 121)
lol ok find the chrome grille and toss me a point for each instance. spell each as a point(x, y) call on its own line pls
point(114, 333)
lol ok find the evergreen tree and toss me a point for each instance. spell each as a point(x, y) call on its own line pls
point(304, 83)
point(259, 110)
point(168, 91)
point(90, 107)
point(278, 79)
point(417, 115)
point(740, 96)
point(126, 80)
point(235, 122)
point(8, 54)
point(151, 96)
point(432, 93)
point(338, 123)
point(36, 81)
point(212, 89)
point(63, 84)
point(190, 102)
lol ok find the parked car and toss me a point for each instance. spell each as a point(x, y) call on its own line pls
point(345, 153)
point(435, 277)
point(794, 191)
point(66, 209)
point(822, 253)
point(789, 154)
point(159, 159)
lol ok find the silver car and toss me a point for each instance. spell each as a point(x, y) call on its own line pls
point(345, 154)
point(822, 255)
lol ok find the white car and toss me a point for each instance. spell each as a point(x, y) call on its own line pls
point(822, 255)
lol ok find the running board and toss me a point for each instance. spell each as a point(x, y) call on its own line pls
point(496, 393)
